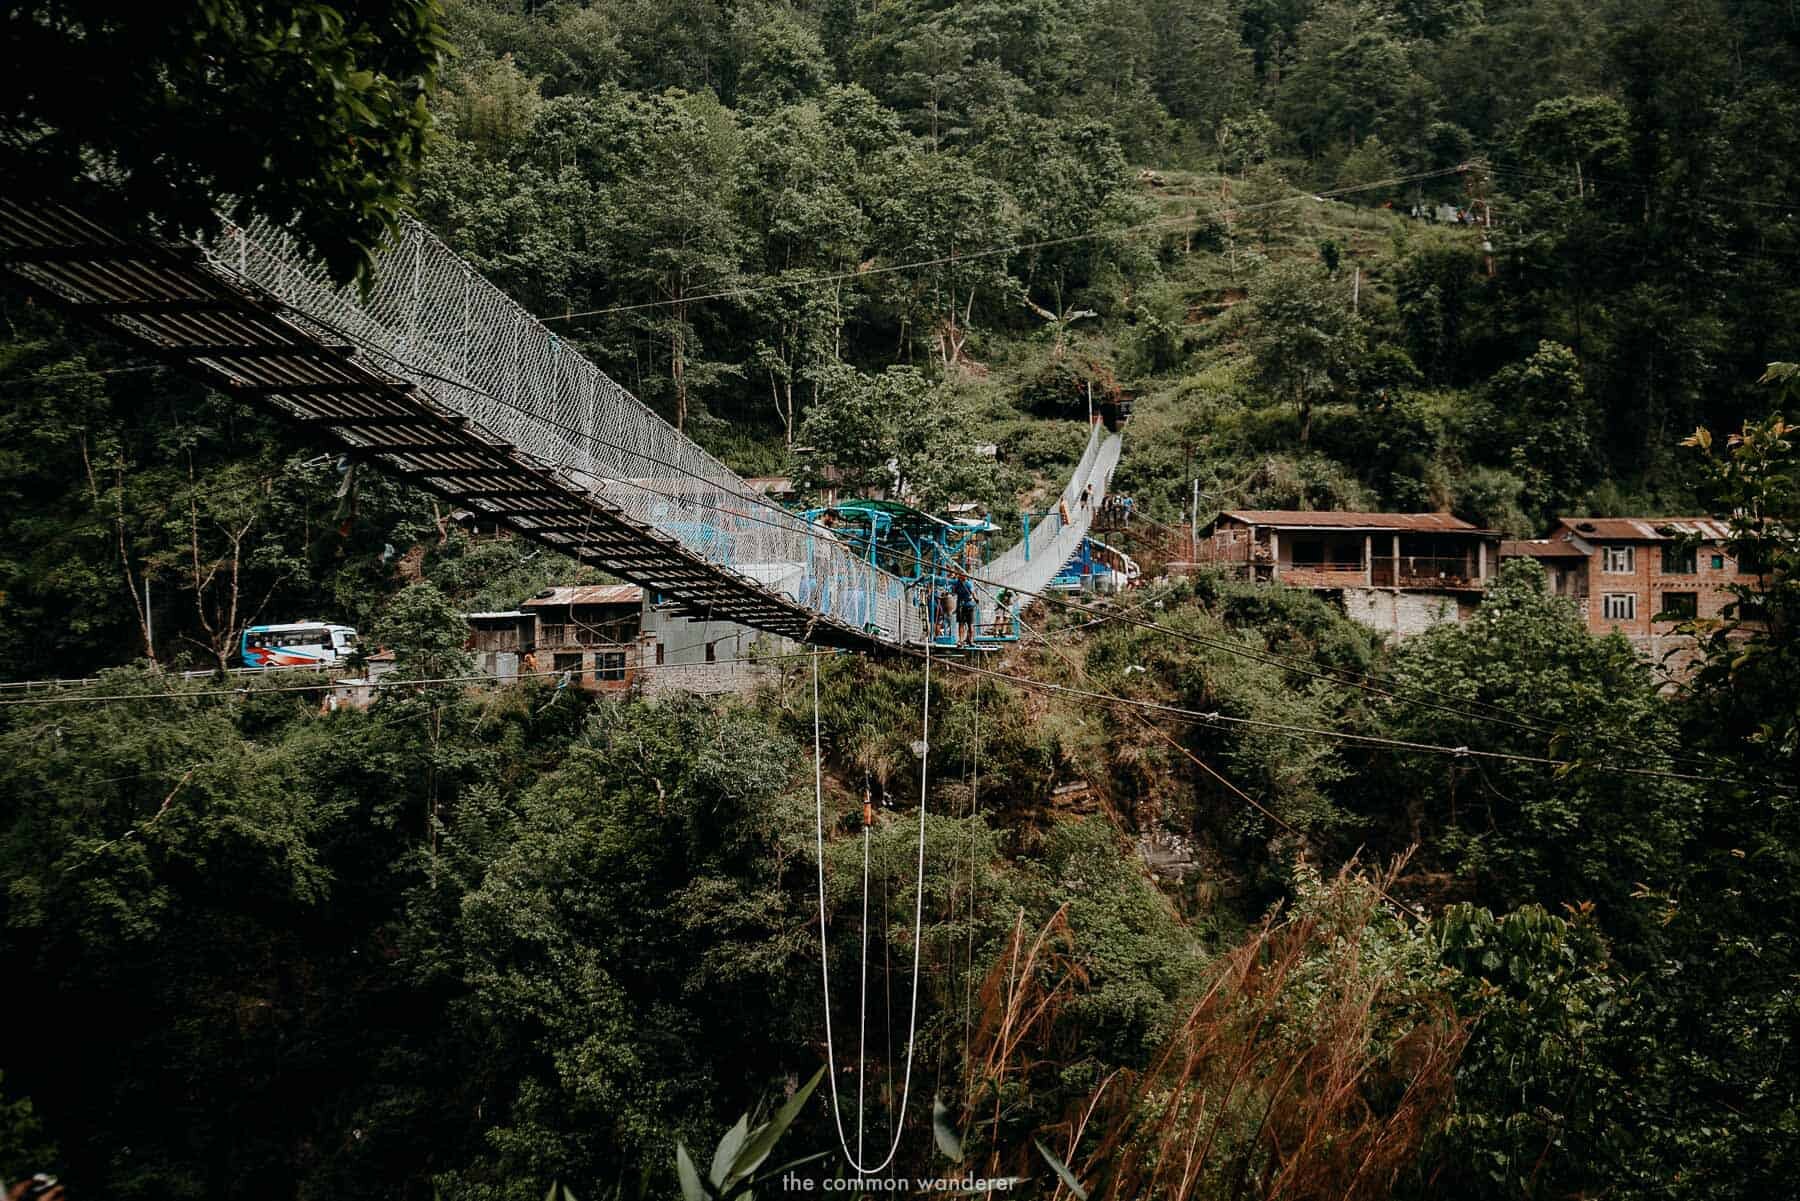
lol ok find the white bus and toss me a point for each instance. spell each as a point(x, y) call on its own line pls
point(297, 644)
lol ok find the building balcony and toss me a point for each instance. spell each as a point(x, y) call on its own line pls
point(1325, 575)
point(1459, 572)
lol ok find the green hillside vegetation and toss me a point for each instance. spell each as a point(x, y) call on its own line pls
point(1482, 914)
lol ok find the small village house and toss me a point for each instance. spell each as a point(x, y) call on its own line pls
point(594, 633)
point(500, 641)
point(1396, 572)
point(615, 638)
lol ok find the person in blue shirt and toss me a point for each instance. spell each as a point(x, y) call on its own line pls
point(965, 607)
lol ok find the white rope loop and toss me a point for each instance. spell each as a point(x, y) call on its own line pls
point(912, 1026)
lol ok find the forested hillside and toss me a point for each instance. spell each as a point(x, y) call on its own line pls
point(1485, 913)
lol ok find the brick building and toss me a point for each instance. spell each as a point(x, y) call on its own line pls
point(614, 638)
point(1641, 576)
point(1396, 572)
point(593, 633)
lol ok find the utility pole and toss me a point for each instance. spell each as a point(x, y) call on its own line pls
point(149, 638)
point(1356, 291)
point(1194, 526)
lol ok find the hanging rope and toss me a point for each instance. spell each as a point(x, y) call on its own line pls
point(974, 869)
point(912, 1025)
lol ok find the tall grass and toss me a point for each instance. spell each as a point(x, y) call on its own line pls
point(1315, 1062)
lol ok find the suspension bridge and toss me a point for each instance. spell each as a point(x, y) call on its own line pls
point(438, 378)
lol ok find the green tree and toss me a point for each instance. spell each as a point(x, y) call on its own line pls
point(1268, 204)
point(1201, 69)
point(800, 202)
point(673, 233)
point(426, 633)
point(1520, 831)
point(785, 61)
point(1066, 181)
point(1348, 82)
point(1544, 1094)
point(310, 114)
point(1540, 425)
point(636, 887)
point(896, 432)
point(1306, 336)
point(1370, 163)
point(932, 208)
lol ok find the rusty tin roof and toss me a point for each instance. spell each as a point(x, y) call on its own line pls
point(1644, 529)
point(593, 594)
point(1440, 523)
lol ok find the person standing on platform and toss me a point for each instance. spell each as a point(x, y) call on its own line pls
point(965, 608)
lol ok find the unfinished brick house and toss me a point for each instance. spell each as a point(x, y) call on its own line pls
point(1641, 576)
point(614, 638)
point(1396, 572)
point(593, 633)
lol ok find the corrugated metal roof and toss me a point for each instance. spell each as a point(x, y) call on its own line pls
point(513, 614)
point(1335, 519)
point(1645, 529)
point(593, 594)
point(1540, 548)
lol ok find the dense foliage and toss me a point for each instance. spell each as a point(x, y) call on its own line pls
point(472, 941)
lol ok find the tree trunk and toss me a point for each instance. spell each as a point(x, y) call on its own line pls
point(137, 602)
point(678, 372)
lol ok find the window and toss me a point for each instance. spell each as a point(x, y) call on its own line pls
point(568, 663)
point(1679, 606)
point(1718, 562)
point(611, 664)
point(1309, 554)
point(712, 652)
point(1618, 560)
point(1621, 606)
point(1678, 560)
point(659, 654)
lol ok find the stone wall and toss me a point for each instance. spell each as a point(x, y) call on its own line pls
point(1402, 612)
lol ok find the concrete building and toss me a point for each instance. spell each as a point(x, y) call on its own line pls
point(706, 657)
point(1396, 572)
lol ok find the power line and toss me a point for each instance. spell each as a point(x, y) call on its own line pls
point(1199, 717)
point(480, 677)
point(1161, 223)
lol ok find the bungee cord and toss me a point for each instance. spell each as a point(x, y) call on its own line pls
point(857, 1160)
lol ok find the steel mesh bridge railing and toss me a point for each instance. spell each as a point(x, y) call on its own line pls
point(431, 319)
point(1028, 567)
